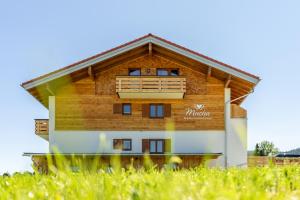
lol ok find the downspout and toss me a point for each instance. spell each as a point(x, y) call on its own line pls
point(226, 128)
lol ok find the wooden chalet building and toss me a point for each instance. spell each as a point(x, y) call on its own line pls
point(148, 96)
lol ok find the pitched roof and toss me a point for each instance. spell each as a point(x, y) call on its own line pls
point(133, 44)
point(244, 81)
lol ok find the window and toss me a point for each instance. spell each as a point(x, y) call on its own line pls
point(156, 111)
point(162, 72)
point(126, 109)
point(167, 72)
point(122, 144)
point(126, 144)
point(134, 72)
point(157, 146)
point(174, 72)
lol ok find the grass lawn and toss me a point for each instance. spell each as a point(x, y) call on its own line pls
point(200, 183)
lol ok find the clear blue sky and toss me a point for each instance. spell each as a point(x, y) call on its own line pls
point(261, 37)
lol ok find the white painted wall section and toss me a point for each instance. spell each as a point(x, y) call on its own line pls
point(238, 143)
point(236, 137)
point(102, 141)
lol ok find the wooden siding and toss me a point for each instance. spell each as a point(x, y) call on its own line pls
point(260, 161)
point(238, 112)
point(41, 126)
point(88, 104)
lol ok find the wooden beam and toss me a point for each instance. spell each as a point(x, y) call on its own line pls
point(228, 81)
point(91, 73)
point(49, 90)
point(208, 75)
point(112, 64)
point(150, 49)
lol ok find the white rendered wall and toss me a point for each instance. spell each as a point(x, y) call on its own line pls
point(235, 137)
point(101, 141)
point(237, 149)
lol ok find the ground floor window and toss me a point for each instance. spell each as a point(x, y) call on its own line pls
point(156, 146)
point(122, 144)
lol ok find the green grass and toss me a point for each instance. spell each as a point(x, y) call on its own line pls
point(199, 183)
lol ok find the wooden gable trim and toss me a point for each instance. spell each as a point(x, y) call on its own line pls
point(91, 73)
point(208, 73)
point(150, 49)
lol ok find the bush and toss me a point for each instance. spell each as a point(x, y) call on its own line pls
point(265, 148)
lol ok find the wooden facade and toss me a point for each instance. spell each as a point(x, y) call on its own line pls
point(87, 104)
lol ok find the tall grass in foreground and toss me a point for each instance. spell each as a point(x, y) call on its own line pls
point(198, 183)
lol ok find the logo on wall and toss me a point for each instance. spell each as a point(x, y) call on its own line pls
point(197, 112)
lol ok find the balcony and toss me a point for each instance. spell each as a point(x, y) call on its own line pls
point(42, 128)
point(150, 87)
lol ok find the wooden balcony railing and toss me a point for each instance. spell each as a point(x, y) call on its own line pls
point(41, 126)
point(150, 84)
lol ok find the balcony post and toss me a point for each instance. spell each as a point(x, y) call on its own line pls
point(159, 84)
point(141, 85)
point(120, 85)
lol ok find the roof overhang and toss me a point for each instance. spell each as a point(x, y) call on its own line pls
point(137, 43)
point(248, 78)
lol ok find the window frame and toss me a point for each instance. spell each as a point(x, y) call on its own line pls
point(156, 105)
point(134, 69)
point(126, 104)
point(122, 145)
point(156, 141)
point(168, 71)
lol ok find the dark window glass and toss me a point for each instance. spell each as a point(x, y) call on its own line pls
point(152, 146)
point(156, 146)
point(162, 72)
point(159, 146)
point(159, 110)
point(134, 72)
point(156, 111)
point(174, 72)
point(167, 72)
point(152, 110)
point(122, 144)
point(126, 109)
point(126, 145)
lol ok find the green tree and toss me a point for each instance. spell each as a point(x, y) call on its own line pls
point(265, 148)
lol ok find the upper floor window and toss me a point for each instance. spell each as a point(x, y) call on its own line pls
point(122, 144)
point(167, 72)
point(174, 72)
point(157, 111)
point(162, 72)
point(134, 72)
point(126, 109)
